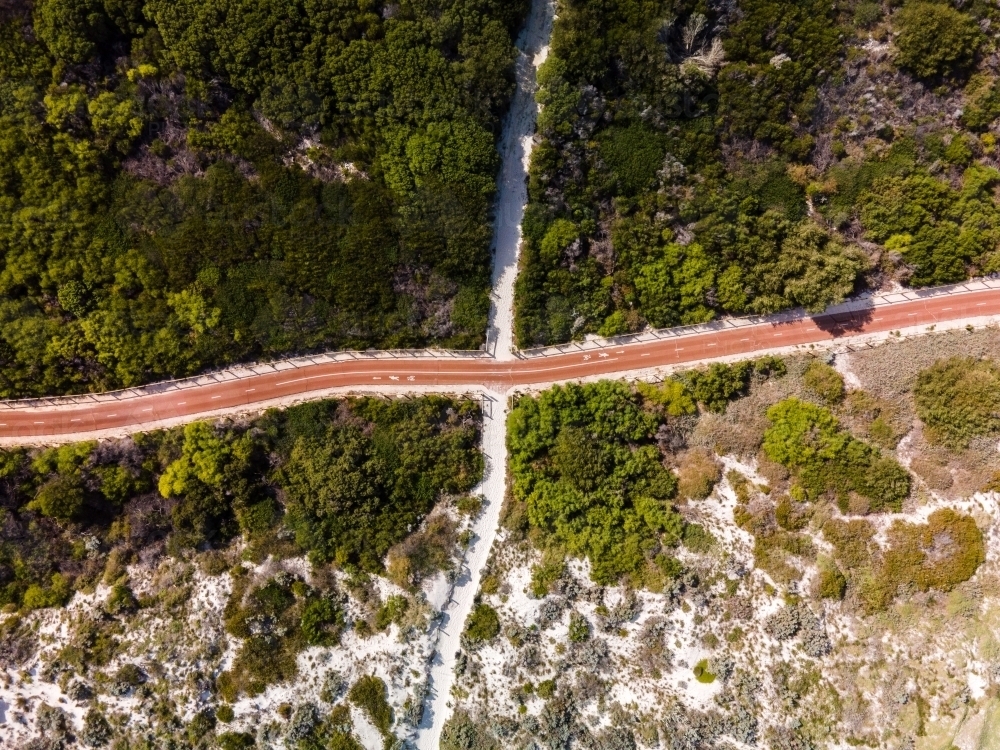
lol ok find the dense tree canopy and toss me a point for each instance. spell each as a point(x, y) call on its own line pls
point(693, 160)
point(185, 184)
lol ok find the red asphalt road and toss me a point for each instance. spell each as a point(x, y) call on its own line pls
point(137, 412)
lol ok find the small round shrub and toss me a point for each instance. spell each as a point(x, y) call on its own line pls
point(935, 39)
point(483, 624)
point(579, 628)
point(825, 382)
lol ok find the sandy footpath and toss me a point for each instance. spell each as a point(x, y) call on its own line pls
point(512, 197)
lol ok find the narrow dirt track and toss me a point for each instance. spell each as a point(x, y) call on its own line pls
point(422, 373)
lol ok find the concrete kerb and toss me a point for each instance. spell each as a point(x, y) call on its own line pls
point(858, 304)
point(861, 303)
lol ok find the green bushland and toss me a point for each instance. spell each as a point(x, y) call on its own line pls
point(669, 188)
point(190, 183)
point(588, 473)
point(824, 459)
point(939, 230)
point(375, 465)
point(275, 621)
point(589, 479)
point(636, 116)
point(957, 399)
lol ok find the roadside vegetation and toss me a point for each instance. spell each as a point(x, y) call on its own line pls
point(765, 552)
point(188, 184)
point(234, 560)
point(341, 481)
point(703, 160)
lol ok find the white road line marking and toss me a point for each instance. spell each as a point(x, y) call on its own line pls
point(910, 315)
point(111, 415)
point(39, 422)
point(646, 354)
point(712, 344)
point(877, 318)
point(376, 378)
point(215, 397)
point(945, 308)
point(779, 334)
point(394, 377)
point(75, 420)
point(147, 410)
point(181, 403)
point(251, 390)
point(980, 304)
point(744, 339)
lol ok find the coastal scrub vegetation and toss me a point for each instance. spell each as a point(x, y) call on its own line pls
point(595, 470)
point(188, 184)
point(341, 481)
point(700, 159)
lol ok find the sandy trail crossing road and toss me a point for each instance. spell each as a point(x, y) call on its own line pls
point(39, 421)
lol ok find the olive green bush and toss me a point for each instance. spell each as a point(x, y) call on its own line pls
point(824, 459)
point(957, 399)
point(935, 39)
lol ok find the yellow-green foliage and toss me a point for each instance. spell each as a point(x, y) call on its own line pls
point(369, 694)
point(586, 468)
point(825, 382)
point(939, 555)
point(957, 399)
point(808, 441)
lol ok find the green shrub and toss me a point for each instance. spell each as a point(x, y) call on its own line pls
point(235, 741)
point(808, 441)
point(61, 498)
point(867, 14)
point(716, 386)
point(957, 400)
point(832, 583)
point(702, 674)
point(935, 39)
point(120, 601)
point(461, 732)
point(825, 382)
point(579, 628)
point(369, 694)
point(225, 713)
point(483, 624)
point(322, 622)
point(697, 538)
point(587, 470)
point(391, 612)
point(546, 689)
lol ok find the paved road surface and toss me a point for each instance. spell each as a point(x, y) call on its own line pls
point(498, 376)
